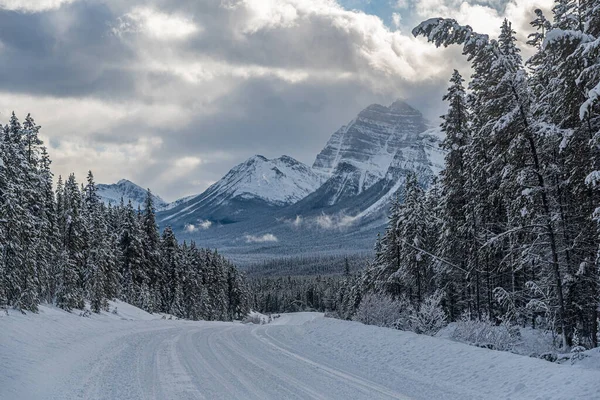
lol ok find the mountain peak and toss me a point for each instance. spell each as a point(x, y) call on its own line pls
point(257, 157)
point(403, 107)
point(288, 159)
point(128, 191)
point(370, 143)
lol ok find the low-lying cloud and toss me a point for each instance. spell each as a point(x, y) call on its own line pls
point(266, 238)
point(201, 225)
point(324, 221)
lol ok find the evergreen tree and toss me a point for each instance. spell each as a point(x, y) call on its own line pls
point(70, 293)
point(171, 273)
point(151, 244)
point(414, 226)
point(456, 232)
point(133, 272)
point(67, 247)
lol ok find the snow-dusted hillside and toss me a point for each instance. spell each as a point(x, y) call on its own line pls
point(280, 181)
point(257, 183)
point(135, 355)
point(128, 191)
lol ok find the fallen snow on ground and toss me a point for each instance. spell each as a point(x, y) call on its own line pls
point(136, 355)
point(530, 342)
point(254, 317)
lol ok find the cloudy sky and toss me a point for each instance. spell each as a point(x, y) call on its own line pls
point(172, 93)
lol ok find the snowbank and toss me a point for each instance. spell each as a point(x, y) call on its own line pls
point(455, 367)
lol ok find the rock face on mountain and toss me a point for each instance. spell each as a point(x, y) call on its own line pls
point(128, 191)
point(367, 160)
point(258, 184)
point(360, 153)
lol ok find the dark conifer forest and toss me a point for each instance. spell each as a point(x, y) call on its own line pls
point(509, 232)
point(66, 247)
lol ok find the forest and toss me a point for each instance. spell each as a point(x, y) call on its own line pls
point(509, 233)
point(65, 247)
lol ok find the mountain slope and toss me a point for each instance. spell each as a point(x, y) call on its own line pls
point(258, 184)
point(128, 191)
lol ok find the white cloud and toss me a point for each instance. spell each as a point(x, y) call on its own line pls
point(93, 137)
point(191, 228)
point(205, 224)
point(188, 162)
point(33, 5)
point(268, 14)
point(266, 238)
point(339, 221)
point(396, 19)
point(401, 4)
point(373, 48)
point(298, 221)
point(323, 221)
point(156, 24)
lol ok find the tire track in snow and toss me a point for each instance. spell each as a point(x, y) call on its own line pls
point(284, 381)
point(198, 365)
point(233, 363)
point(351, 379)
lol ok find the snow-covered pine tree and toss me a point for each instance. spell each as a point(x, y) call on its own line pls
point(151, 246)
point(456, 232)
point(217, 285)
point(3, 222)
point(48, 253)
point(95, 256)
point(19, 262)
point(415, 234)
point(170, 283)
point(37, 262)
point(70, 292)
point(191, 282)
point(502, 106)
point(389, 261)
point(112, 288)
point(237, 292)
point(133, 271)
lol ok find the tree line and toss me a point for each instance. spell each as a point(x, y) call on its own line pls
point(66, 247)
point(280, 294)
point(307, 265)
point(510, 230)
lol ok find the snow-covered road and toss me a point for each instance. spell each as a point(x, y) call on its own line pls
point(298, 356)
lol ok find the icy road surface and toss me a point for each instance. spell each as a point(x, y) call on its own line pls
point(56, 355)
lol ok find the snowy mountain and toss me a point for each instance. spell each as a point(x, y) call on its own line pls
point(381, 142)
point(256, 184)
point(281, 205)
point(367, 161)
point(128, 191)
